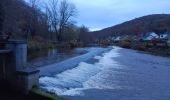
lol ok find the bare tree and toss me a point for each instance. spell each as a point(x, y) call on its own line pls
point(33, 18)
point(33, 3)
point(59, 16)
point(66, 11)
point(52, 14)
point(22, 20)
point(85, 36)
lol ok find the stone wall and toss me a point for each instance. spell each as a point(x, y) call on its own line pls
point(14, 69)
point(27, 79)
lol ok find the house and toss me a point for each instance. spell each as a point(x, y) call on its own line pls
point(150, 36)
point(117, 39)
point(152, 40)
point(165, 36)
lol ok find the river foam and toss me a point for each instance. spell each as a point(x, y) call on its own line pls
point(84, 76)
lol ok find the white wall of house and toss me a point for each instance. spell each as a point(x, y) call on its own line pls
point(117, 38)
point(151, 36)
point(163, 36)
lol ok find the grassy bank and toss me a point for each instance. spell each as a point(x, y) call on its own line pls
point(42, 95)
point(9, 93)
point(159, 51)
point(154, 50)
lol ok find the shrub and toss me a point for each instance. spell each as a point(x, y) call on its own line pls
point(125, 44)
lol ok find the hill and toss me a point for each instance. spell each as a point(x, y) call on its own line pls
point(157, 23)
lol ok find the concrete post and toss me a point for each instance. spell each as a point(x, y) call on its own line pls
point(22, 76)
point(19, 50)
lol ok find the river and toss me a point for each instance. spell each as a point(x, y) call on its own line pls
point(111, 74)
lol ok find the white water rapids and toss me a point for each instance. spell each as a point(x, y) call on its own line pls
point(84, 76)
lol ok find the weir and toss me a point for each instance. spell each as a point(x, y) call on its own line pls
point(14, 68)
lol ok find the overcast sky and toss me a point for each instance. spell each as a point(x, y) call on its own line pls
point(98, 14)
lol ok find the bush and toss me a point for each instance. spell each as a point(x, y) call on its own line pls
point(125, 44)
point(138, 46)
point(39, 94)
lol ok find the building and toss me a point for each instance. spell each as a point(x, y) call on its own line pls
point(165, 36)
point(117, 39)
point(150, 36)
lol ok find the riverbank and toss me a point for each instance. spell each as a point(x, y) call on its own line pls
point(163, 52)
point(155, 51)
point(158, 50)
point(9, 93)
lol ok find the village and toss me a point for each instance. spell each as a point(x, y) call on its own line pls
point(144, 42)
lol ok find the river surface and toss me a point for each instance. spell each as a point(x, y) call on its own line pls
point(111, 74)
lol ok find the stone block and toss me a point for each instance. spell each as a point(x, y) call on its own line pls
point(27, 79)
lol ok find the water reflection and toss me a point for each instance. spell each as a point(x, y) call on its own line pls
point(53, 56)
point(52, 52)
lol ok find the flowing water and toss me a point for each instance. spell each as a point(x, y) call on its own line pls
point(119, 74)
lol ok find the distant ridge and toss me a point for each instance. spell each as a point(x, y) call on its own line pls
point(151, 23)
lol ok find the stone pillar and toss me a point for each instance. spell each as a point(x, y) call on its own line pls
point(19, 51)
point(23, 77)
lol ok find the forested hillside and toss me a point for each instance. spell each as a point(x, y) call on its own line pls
point(152, 23)
point(21, 20)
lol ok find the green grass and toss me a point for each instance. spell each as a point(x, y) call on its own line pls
point(45, 95)
point(10, 93)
